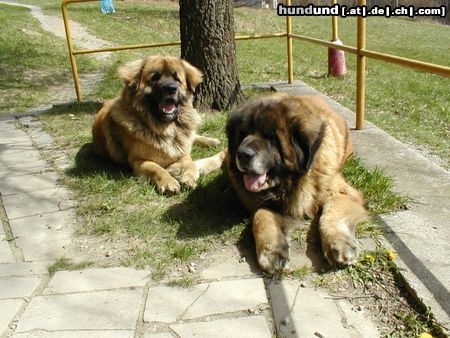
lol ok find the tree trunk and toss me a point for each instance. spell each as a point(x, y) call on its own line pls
point(207, 42)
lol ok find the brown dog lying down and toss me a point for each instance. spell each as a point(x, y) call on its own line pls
point(285, 157)
point(151, 125)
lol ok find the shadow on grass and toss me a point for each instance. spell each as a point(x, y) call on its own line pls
point(74, 107)
point(211, 208)
point(88, 163)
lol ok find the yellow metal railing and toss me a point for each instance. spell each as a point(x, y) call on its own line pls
point(360, 69)
point(360, 50)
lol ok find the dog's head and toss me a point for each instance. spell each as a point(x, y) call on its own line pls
point(271, 138)
point(159, 85)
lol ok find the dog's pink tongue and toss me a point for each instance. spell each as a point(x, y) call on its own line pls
point(254, 182)
point(167, 107)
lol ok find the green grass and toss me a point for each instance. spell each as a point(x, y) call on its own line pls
point(377, 186)
point(168, 229)
point(65, 264)
point(184, 282)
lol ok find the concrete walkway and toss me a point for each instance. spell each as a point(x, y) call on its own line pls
point(230, 300)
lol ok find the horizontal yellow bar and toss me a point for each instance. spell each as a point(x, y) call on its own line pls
point(66, 2)
point(113, 49)
point(259, 36)
point(165, 44)
point(325, 43)
point(415, 64)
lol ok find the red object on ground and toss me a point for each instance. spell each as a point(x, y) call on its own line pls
point(336, 61)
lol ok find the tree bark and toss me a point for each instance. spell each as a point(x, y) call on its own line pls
point(207, 42)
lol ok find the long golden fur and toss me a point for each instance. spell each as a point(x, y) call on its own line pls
point(285, 157)
point(151, 125)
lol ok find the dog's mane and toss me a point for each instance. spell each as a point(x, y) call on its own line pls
point(174, 137)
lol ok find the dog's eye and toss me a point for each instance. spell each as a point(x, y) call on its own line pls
point(155, 76)
point(176, 77)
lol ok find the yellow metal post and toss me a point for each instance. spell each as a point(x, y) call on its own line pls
point(70, 46)
point(360, 70)
point(334, 23)
point(289, 46)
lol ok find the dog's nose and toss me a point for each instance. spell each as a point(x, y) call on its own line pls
point(245, 155)
point(170, 88)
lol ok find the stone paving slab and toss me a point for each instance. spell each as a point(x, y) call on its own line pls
point(248, 327)
point(11, 135)
point(101, 310)
point(8, 310)
point(6, 125)
point(304, 312)
point(228, 296)
point(20, 169)
point(356, 322)
point(76, 334)
point(96, 279)
point(37, 203)
point(55, 229)
point(160, 335)
point(6, 255)
point(17, 146)
point(34, 182)
point(168, 304)
point(18, 287)
point(9, 157)
point(24, 269)
point(41, 139)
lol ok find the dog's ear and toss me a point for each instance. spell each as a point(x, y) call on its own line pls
point(193, 76)
point(131, 73)
point(306, 140)
point(233, 130)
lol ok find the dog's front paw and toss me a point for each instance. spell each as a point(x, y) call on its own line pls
point(273, 258)
point(168, 185)
point(340, 250)
point(186, 176)
point(211, 141)
point(188, 180)
point(206, 141)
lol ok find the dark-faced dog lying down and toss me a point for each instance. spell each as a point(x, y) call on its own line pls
point(285, 157)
